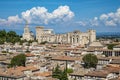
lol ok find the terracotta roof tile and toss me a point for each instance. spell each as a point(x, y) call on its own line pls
point(29, 55)
point(64, 58)
point(101, 73)
point(43, 74)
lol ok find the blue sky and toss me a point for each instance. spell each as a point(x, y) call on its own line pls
point(61, 15)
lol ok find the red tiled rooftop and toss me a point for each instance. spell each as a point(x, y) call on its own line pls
point(100, 73)
point(29, 55)
point(43, 74)
point(64, 58)
point(112, 69)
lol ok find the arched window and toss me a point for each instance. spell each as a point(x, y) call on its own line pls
point(73, 40)
point(77, 40)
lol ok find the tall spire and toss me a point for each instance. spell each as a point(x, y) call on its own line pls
point(26, 23)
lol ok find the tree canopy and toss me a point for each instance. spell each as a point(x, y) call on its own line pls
point(110, 46)
point(18, 60)
point(44, 42)
point(59, 74)
point(90, 61)
point(9, 36)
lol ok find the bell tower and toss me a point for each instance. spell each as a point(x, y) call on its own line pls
point(26, 28)
point(28, 35)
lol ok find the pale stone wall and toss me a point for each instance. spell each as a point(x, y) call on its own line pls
point(44, 34)
point(75, 37)
point(92, 35)
point(27, 35)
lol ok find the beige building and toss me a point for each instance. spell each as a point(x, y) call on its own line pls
point(76, 37)
point(44, 34)
point(27, 35)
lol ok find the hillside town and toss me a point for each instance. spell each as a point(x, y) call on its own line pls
point(48, 50)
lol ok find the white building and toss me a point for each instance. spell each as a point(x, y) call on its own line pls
point(75, 37)
point(44, 34)
point(117, 47)
point(27, 35)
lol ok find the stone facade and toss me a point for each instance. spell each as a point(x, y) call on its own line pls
point(44, 34)
point(76, 37)
point(27, 35)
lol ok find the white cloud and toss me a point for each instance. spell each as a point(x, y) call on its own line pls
point(11, 20)
point(90, 22)
point(14, 19)
point(81, 23)
point(2, 21)
point(103, 17)
point(111, 19)
point(110, 23)
point(63, 14)
point(94, 22)
point(41, 15)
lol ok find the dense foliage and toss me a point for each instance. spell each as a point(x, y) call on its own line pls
point(110, 46)
point(69, 70)
point(90, 61)
point(18, 60)
point(10, 36)
point(44, 42)
point(59, 74)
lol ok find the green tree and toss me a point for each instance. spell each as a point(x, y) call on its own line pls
point(2, 36)
point(69, 70)
point(30, 41)
point(56, 72)
point(64, 75)
point(44, 42)
point(110, 46)
point(116, 40)
point(22, 41)
point(59, 74)
point(12, 33)
point(90, 60)
point(3, 33)
point(10, 36)
point(18, 60)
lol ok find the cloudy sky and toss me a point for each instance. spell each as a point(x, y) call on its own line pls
point(61, 15)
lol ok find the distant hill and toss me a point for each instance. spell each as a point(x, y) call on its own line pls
point(108, 34)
